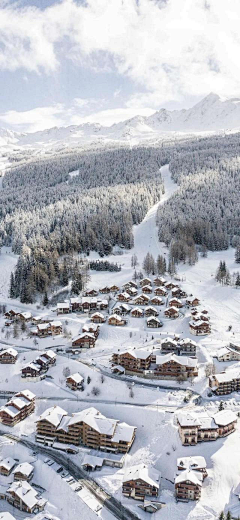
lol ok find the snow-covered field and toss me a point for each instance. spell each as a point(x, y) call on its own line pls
point(152, 410)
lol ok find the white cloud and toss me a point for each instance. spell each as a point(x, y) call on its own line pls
point(59, 115)
point(170, 50)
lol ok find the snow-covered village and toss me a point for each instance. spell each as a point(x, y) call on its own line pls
point(119, 260)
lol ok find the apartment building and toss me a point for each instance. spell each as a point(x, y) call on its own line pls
point(194, 428)
point(20, 406)
point(88, 427)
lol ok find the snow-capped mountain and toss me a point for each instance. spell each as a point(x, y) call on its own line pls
point(211, 114)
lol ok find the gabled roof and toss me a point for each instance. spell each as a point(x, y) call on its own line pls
point(25, 492)
point(76, 377)
point(188, 419)
point(143, 472)
point(6, 516)
point(224, 417)
point(63, 305)
point(10, 351)
point(192, 463)
point(7, 463)
point(25, 468)
point(53, 415)
point(192, 476)
point(26, 393)
point(123, 432)
point(181, 360)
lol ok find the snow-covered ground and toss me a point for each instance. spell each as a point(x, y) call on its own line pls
point(152, 410)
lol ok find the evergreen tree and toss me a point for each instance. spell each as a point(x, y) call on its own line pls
point(237, 254)
point(12, 286)
point(221, 406)
point(45, 299)
point(237, 283)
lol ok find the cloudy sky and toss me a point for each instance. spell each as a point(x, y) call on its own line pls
point(72, 61)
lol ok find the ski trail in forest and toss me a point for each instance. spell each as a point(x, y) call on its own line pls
point(146, 233)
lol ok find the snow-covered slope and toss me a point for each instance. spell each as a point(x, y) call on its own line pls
point(212, 114)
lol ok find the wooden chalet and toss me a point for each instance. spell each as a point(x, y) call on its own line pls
point(131, 291)
point(177, 292)
point(175, 302)
point(136, 312)
point(188, 485)
point(34, 369)
point(104, 290)
point(102, 304)
point(133, 361)
point(84, 340)
point(151, 311)
point(145, 281)
point(92, 328)
point(130, 284)
point(141, 299)
point(51, 357)
point(124, 297)
point(116, 320)
point(64, 308)
point(43, 330)
point(171, 312)
point(228, 354)
point(75, 381)
point(98, 317)
point(147, 289)
point(6, 466)
point(89, 304)
point(76, 304)
point(141, 481)
point(153, 322)
point(121, 309)
point(18, 408)
point(171, 366)
point(25, 316)
point(159, 280)
point(23, 471)
point(199, 328)
point(56, 328)
point(226, 382)
point(8, 356)
point(114, 288)
point(156, 300)
point(160, 291)
point(11, 314)
point(91, 292)
point(171, 285)
point(169, 345)
point(24, 497)
point(191, 301)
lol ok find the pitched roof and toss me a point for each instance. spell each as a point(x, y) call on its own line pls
point(224, 417)
point(192, 463)
point(7, 463)
point(76, 377)
point(25, 468)
point(53, 415)
point(181, 360)
point(143, 472)
point(195, 477)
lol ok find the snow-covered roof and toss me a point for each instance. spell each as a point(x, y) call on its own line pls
point(181, 360)
point(116, 317)
point(192, 463)
point(146, 473)
point(63, 305)
point(92, 460)
point(175, 300)
point(50, 354)
point(125, 295)
point(56, 323)
point(10, 351)
point(123, 432)
point(185, 341)
point(43, 326)
point(76, 377)
point(84, 335)
point(87, 299)
point(153, 318)
point(97, 314)
point(24, 468)
point(25, 492)
point(227, 376)
point(169, 340)
point(171, 309)
point(7, 463)
point(207, 423)
point(26, 315)
point(33, 366)
point(151, 308)
point(10, 410)
point(26, 393)
point(53, 415)
point(137, 309)
point(224, 417)
point(196, 324)
point(192, 476)
point(95, 420)
point(187, 419)
point(18, 402)
point(147, 287)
